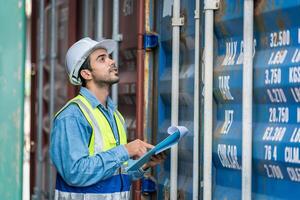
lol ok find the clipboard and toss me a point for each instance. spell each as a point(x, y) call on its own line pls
point(176, 133)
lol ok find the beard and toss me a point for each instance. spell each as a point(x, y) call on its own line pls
point(106, 80)
point(113, 81)
point(109, 78)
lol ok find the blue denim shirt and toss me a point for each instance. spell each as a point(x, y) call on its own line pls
point(69, 151)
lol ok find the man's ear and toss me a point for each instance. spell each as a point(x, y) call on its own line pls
point(86, 74)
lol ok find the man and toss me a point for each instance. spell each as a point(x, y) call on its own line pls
point(88, 141)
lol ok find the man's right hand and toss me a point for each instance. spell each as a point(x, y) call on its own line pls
point(137, 148)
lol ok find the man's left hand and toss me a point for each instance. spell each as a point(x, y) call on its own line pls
point(155, 160)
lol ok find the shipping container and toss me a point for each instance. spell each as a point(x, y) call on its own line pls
point(275, 160)
point(275, 101)
point(42, 172)
point(12, 74)
point(186, 94)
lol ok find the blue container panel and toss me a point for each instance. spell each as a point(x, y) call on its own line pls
point(185, 148)
point(276, 108)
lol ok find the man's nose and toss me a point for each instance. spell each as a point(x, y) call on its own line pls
point(113, 63)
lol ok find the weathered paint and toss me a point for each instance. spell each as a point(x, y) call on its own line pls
point(12, 64)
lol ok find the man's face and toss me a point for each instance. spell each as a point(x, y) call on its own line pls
point(104, 70)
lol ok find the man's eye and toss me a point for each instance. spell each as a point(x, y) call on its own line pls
point(102, 59)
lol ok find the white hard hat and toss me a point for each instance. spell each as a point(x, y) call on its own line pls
point(78, 53)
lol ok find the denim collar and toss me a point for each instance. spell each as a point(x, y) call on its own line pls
point(95, 102)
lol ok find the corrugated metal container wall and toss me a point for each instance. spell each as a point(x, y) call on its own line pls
point(276, 110)
point(127, 64)
point(66, 27)
point(186, 90)
point(12, 65)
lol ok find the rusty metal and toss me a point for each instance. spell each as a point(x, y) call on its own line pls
point(53, 63)
point(155, 71)
point(73, 36)
point(127, 63)
point(38, 192)
point(107, 16)
point(140, 88)
point(33, 93)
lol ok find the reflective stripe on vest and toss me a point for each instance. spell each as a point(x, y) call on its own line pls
point(96, 136)
point(102, 139)
point(108, 138)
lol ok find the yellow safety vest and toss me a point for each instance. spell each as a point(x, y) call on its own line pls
point(102, 139)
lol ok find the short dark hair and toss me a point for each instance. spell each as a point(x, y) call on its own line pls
point(85, 65)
